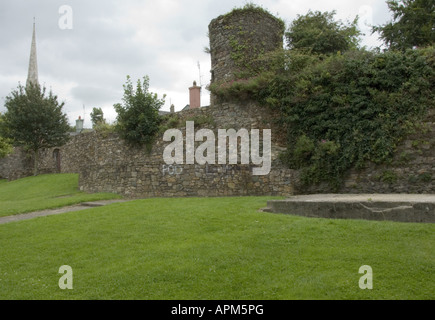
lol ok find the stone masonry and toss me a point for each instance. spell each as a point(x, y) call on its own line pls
point(240, 36)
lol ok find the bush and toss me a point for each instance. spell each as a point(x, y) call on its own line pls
point(343, 110)
point(241, 89)
point(340, 110)
point(105, 129)
point(169, 122)
point(138, 117)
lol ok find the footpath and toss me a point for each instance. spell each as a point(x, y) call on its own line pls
point(49, 212)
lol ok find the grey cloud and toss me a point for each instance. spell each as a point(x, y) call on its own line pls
point(91, 61)
point(93, 95)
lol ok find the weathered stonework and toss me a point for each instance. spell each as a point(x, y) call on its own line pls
point(380, 207)
point(114, 166)
point(16, 165)
point(412, 169)
point(106, 163)
point(240, 37)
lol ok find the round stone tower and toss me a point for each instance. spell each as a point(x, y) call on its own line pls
point(240, 37)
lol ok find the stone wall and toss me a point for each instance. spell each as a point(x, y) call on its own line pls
point(16, 165)
point(106, 163)
point(64, 159)
point(412, 169)
point(135, 172)
point(113, 166)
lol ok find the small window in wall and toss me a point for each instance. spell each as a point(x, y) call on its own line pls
point(56, 157)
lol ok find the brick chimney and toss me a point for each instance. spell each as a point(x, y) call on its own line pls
point(195, 96)
point(79, 124)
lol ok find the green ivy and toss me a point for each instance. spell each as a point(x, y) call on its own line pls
point(242, 88)
point(243, 52)
point(252, 7)
point(345, 110)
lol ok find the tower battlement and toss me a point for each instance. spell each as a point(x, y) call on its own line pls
point(238, 38)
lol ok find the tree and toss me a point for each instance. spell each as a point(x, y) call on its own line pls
point(319, 33)
point(138, 117)
point(413, 24)
point(35, 120)
point(97, 117)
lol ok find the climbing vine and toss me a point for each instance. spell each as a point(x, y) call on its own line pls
point(244, 43)
point(342, 110)
point(345, 110)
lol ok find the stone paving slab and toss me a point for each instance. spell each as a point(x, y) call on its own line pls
point(49, 212)
point(394, 207)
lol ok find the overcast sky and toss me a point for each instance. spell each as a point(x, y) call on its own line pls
point(85, 56)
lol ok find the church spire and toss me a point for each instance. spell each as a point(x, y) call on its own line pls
point(32, 76)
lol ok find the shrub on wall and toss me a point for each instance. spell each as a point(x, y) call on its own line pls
point(241, 89)
point(338, 109)
point(5, 144)
point(318, 32)
point(346, 109)
point(138, 117)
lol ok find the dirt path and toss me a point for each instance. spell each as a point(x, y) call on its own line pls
point(49, 212)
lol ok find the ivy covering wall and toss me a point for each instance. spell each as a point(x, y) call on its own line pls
point(343, 110)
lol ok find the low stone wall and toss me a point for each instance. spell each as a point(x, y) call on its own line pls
point(116, 167)
point(394, 207)
point(16, 165)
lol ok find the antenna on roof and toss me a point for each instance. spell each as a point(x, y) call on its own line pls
point(200, 77)
point(84, 112)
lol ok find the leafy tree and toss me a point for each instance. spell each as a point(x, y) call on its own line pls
point(35, 120)
point(138, 117)
point(97, 117)
point(413, 24)
point(319, 33)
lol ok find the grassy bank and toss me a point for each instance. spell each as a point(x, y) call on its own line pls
point(43, 192)
point(212, 248)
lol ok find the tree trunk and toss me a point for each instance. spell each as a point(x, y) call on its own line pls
point(35, 164)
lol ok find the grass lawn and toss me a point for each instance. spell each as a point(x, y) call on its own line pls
point(212, 248)
point(43, 192)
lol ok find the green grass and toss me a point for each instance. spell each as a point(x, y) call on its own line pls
point(212, 248)
point(43, 192)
